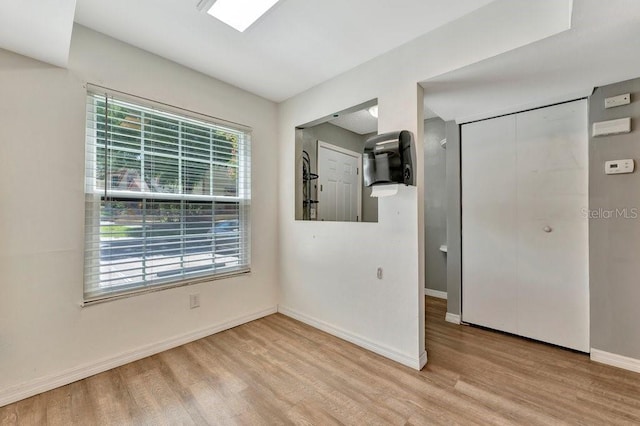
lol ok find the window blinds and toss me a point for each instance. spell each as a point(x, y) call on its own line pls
point(167, 197)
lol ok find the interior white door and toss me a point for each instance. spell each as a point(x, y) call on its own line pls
point(489, 223)
point(553, 243)
point(524, 232)
point(339, 185)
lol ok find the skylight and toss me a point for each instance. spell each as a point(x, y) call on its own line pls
point(240, 14)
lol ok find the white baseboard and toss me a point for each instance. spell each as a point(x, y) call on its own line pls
point(423, 359)
point(435, 293)
point(415, 363)
point(615, 360)
point(452, 318)
point(43, 384)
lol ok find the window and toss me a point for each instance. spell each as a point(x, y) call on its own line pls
point(167, 197)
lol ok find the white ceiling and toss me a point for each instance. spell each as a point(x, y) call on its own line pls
point(429, 114)
point(601, 48)
point(299, 44)
point(38, 29)
point(293, 47)
point(360, 122)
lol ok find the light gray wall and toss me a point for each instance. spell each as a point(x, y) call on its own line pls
point(435, 205)
point(454, 220)
point(327, 132)
point(45, 333)
point(614, 243)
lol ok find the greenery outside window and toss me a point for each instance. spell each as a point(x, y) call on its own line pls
point(167, 196)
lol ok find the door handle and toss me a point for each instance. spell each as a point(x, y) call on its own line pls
point(547, 229)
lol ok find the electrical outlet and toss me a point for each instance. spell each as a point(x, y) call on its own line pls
point(379, 273)
point(194, 301)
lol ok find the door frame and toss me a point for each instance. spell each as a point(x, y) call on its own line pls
point(358, 156)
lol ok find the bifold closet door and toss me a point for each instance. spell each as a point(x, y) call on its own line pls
point(489, 223)
point(524, 232)
point(553, 233)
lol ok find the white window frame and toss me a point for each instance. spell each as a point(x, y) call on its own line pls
point(94, 197)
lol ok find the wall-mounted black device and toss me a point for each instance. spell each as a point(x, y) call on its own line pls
point(388, 158)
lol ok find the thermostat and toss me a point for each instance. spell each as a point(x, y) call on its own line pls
point(618, 166)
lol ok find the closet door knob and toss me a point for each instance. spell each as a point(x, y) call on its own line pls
point(547, 229)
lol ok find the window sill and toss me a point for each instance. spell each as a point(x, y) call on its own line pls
point(98, 299)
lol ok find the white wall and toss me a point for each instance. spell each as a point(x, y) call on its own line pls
point(45, 336)
point(328, 270)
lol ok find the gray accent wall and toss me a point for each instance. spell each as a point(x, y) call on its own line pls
point(454, 219)
point(614, 242)
point(435, 205)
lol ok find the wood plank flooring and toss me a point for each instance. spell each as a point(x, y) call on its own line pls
point(279, 371)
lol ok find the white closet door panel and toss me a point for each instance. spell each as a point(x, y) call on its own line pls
point(552, 266)
point(489, 223)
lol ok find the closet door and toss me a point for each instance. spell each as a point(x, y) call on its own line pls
point(552, 230)
point(489, 223)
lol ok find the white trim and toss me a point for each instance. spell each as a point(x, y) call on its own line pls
point(341, 150)
point(452, 318)
point(435, 293)
point(423, 359)
point(560, 99)
point(52, 381)
point(615, 360)
point(409, 361)
point(157, 106)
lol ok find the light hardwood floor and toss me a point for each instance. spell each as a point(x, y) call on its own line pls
point(279, 371)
